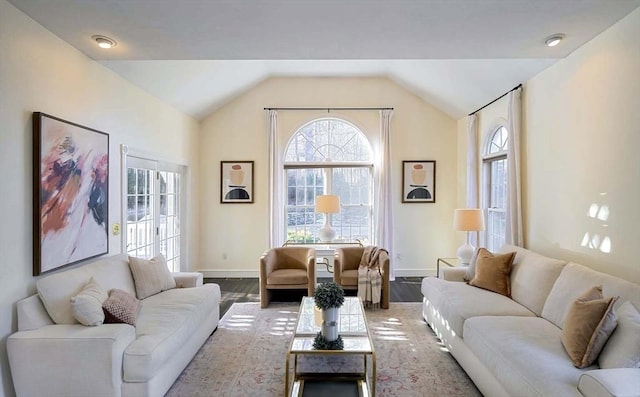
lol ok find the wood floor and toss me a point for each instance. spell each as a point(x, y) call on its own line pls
point(403, 289)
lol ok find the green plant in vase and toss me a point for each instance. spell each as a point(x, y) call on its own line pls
point(329, 295)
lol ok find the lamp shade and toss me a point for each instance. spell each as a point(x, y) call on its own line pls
point(328, 204)
point(468, 219)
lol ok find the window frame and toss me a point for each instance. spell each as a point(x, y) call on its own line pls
point(490, 160)
point(327, 168)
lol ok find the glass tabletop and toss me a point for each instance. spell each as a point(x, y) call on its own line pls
point(351, 319)
point(352, 327)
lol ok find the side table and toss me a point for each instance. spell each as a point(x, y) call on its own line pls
point(451, 262)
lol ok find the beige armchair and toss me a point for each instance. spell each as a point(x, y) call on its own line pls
point(287, 268)
point(345, 271)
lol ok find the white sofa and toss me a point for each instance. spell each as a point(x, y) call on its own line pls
point(54, 355)
point(512, 347)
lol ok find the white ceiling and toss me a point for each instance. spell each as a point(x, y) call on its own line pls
point(198, 54)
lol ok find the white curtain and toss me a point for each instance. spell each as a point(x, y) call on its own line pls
point(473, 187)
point(276, 170)
point(384, 220)
point(514, 201)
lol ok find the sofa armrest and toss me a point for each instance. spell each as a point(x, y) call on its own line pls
point(188, 279)
point(453, 273)
point(69, 359)
point(32, 314)
point(617, 382)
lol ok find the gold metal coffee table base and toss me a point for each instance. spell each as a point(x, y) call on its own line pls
point(357, 341)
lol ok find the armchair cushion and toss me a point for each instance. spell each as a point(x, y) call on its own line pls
point(288, 276)
point(349, 278)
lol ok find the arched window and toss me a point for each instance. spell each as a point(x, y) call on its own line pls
point(329, 156)
point(495, 187)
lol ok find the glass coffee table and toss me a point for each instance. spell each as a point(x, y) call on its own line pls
point(352, 327)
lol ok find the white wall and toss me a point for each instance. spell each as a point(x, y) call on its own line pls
point(582, 137)
point(40, 72)
point(422, 232)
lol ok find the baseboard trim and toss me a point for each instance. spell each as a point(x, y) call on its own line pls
point(235, 273)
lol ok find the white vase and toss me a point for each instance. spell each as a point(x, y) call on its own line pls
point(330, 324)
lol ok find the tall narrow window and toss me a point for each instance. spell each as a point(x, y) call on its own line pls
point(329, 156)
point(153, 210)
point(495, 187)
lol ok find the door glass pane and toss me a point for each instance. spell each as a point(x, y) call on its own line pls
point(169, 237)
point(140, 196)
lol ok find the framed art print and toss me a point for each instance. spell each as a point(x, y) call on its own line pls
point(70, 193)
point(419, 181)
point(236, 180)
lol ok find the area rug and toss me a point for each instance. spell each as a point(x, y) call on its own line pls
point(245, 356)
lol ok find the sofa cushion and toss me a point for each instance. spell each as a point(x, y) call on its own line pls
point(86, 306)
point(623, 347)
point(574, 280)
point(164, 322)
point(532, 277)
point(524, 354)
point(56, 290)
point(120, 307)
point(589, 323)
point(457, 302)
point(150, 276)
point(620, 382)
point(492, 272)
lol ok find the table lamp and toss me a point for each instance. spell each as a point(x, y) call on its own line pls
point(327, 204)
point(467, 220)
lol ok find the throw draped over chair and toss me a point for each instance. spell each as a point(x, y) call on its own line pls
point(345, 270)
point(287, 268)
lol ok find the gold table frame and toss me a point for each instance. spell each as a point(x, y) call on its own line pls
point(357, 340)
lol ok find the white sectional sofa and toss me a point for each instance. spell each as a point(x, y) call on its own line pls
point(512, 347)
point(54, 355)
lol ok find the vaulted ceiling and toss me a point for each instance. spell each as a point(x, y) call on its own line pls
point(198, 54)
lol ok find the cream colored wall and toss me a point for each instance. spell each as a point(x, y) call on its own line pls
point(239, 232)
point(579, 148)
point(40, 72)
point(582, 124)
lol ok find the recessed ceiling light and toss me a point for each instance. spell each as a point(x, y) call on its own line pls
point(104, 41)
point(554, 40)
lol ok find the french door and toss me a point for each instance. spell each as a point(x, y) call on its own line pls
point(153, 196)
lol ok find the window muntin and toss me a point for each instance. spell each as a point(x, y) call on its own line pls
point(495, 183)
point(329, 156)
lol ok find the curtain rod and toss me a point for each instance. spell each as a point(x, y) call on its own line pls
point(500, 97)
point(328, 109)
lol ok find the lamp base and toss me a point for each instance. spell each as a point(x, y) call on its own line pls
point(327, 234)
point(465, 252)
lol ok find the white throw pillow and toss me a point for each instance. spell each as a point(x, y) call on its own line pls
point(151, 276)
point(86, 306)
point(471, 268)
point(623, 347)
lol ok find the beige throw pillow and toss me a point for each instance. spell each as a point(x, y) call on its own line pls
point(120, 307)
point(86, 306)
point(622, 350)
point(151, 276)
point(492, 272)
point(589, 323)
